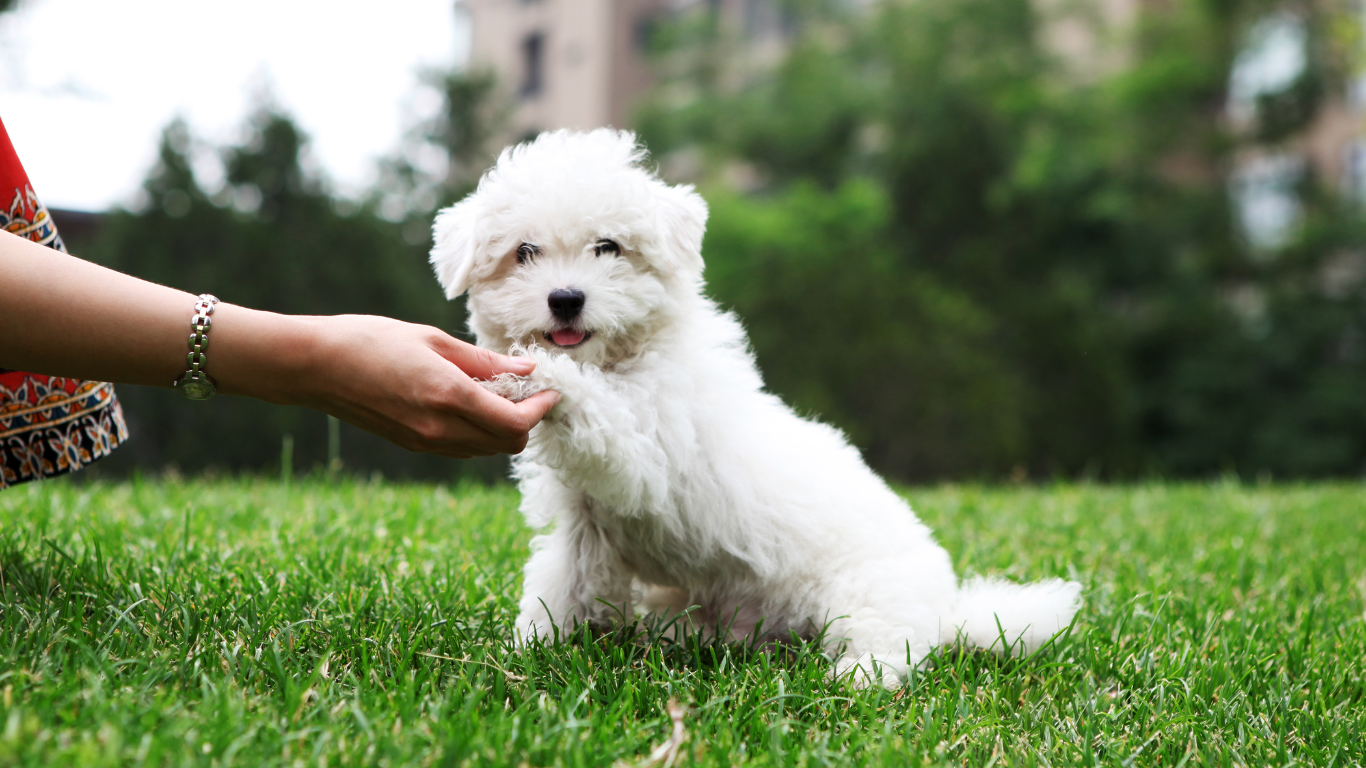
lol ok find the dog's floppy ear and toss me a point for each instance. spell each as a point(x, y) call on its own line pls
point(456, 246)
point(680, 220)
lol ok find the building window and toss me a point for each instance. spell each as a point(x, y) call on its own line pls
point(533, 65)
point(758, 18)
point(644, 33)
point(1354, 171)
point(1266, 200)
point(1272, 60)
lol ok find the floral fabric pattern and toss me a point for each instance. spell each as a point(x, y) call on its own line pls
point(26, 217)
point(49, 425)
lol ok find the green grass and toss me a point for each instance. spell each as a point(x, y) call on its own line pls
point(354, 623)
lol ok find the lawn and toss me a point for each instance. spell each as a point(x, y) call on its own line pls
point(365, 623)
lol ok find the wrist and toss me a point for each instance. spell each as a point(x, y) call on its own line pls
point(264, 355)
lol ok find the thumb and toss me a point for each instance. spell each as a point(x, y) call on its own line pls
point(535, 408)
point(480, 363)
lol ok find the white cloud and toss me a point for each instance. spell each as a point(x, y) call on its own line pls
point(87, 85)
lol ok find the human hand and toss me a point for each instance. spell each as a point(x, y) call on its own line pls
point(410, 384)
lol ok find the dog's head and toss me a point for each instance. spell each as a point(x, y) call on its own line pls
point(570, 244)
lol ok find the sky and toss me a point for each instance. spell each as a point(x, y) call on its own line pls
point(86, 86)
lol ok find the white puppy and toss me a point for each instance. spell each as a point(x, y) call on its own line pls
point(666, 476)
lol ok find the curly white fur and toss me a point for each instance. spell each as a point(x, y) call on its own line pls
point(667, 478)
point(511, 386)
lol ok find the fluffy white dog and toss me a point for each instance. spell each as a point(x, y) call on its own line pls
point(666, 477)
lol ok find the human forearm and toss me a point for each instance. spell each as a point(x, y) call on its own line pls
point(63, 316)
point(412, 384)
point(66, 317)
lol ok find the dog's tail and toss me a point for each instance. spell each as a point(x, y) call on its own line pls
point(1007, 617)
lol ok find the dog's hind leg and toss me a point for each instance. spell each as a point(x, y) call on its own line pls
point(882, 632)
point(573, 576)
point(875, 651)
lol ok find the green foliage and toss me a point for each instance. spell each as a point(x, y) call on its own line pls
point(464, 132)
point(338, 623)
point(1064, 241)
point(466, 129)
point(271, 239)
point(804, 124)
point(773, 263)
point(973, 256)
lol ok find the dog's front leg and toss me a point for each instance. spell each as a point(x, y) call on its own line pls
point(573, 576)
point(604, 436)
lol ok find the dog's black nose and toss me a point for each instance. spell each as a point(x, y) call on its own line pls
point(566, 304)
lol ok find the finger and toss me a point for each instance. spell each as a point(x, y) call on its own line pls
point(463, 440)
point(480, 363)
point(498, 416)
point(521, 366)
point(466, 452)
point(535, 408)
point(529, 413)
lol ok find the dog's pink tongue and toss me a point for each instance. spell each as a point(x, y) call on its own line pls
point(567, 337)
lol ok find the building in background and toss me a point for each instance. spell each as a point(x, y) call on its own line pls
point(1090, 38)
point(584, 64)
point(1274, 66)
point(561, 64)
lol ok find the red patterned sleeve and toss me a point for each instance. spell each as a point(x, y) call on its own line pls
point(49, 425)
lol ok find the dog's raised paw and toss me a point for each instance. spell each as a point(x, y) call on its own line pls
point(511, 386)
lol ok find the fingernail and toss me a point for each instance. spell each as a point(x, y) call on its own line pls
point(522, 364)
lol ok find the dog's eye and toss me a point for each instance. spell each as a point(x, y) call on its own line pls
point(605, 246)
point(526, 252)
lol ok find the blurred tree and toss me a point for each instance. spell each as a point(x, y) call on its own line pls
point(1244, 353)
point(940, 237)
point(465, 129)
point(273, 239)
point(1038, 270)
point(443, 155)
point(847, 332)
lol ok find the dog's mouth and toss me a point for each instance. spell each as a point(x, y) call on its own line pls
point(568, 338)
